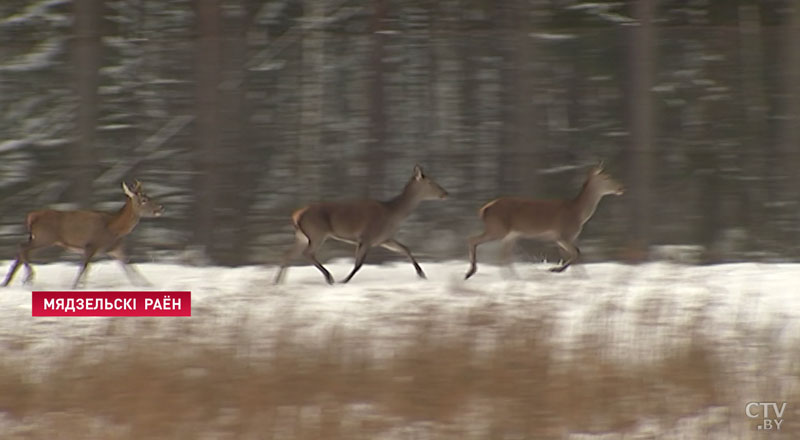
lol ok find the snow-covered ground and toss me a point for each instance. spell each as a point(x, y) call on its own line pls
point(641, 309)
point(639, 313)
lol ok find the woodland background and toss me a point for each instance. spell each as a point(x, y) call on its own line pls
point(234, 113)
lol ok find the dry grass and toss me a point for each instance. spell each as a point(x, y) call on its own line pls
point(471, 377)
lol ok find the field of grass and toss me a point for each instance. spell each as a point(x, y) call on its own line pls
point(444, 379)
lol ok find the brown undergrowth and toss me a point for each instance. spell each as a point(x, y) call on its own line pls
point(472, 376)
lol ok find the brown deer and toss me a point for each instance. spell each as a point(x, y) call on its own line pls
point(365, 223)
point(88, 232)
point(559, 221)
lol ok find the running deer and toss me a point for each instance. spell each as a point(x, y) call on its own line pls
point(559, 221)
point(365, 223)
point(89, 232)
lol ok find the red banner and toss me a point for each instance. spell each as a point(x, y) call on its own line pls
point(112, 303)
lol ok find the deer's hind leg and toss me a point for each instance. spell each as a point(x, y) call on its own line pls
point(23, 257)
point(361, 255)
point(15, 268)
point(300, 243)
point(489, 234)
point(310, 253)
point(13, 271)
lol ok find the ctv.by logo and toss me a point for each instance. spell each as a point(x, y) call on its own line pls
point(766, 408)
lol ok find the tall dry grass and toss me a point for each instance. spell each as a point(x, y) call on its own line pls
point(476, 376)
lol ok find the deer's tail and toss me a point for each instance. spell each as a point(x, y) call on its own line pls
point(30, 219)
point(296, 217)
point(482, 211)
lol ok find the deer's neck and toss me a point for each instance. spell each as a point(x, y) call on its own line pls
point(586, 202)
point(124, 220)
point(404, 204)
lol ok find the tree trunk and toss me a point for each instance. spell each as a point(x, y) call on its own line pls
point(377, 111)
point(207, 124)
point(243, 171)
point(311, 93)
point(642, 65)
point(754, 107)
point(87, 53)
point(790, 123)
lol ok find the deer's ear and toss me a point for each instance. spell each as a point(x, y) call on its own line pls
point(598, 168)
point(417, 172)
point(128, 192)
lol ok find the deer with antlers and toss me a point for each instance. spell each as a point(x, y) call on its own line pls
point(88, 232)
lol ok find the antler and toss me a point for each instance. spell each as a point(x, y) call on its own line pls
point(127, 190)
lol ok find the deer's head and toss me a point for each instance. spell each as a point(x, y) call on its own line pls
point(602, 182)
point(425, 186)
point(143, 205)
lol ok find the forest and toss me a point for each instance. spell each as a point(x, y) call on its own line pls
point(235, 113)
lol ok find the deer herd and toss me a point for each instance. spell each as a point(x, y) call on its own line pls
point(364, 223)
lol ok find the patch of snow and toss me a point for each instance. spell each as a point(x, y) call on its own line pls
point(13, 144)
point(594, 6)
point(560, 169)
point(552, 36)
point(643, 311)
point(676, 253)
point(33, 12)
point(42, 57)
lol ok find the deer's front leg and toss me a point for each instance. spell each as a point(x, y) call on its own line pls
point(572, 252)
point(136, 278)
point(396, 246)
point(88, 253)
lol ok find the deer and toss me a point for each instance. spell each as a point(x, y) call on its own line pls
point(88, 232)
point(364, 223)
point(559, 221)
